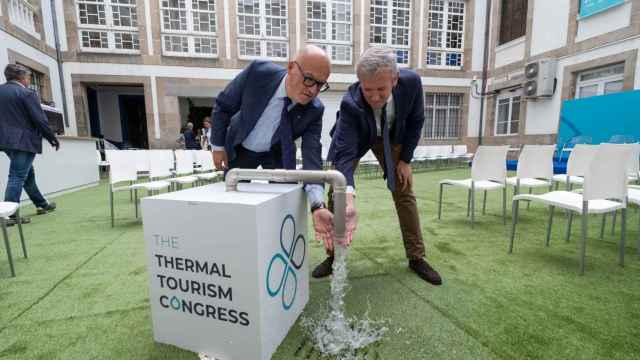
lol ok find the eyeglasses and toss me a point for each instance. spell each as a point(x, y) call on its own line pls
point(309, 81)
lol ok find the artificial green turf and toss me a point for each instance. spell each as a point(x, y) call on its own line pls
point(82, 294)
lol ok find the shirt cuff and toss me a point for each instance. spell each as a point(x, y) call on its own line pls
point(217, 148)
point(315, 193)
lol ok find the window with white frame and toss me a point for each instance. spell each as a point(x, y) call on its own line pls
point(442, 116)
point(189, 28)
point(108, 25)
point(508, 113)
point(329, 27)
point(600, 81)
point(390, 22)
point(445, 34)
point(263, 29)
point(22, 14)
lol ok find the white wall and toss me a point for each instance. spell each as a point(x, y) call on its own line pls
point(479, 21)
point(76, 156)
point(510, 52)
point(47, 19)
point(331, 101)
point(604, 22)
point(550, 22)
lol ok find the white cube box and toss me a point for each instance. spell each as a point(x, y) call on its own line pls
point(228, 270)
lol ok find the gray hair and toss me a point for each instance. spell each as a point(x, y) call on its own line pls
point(190, 125)
point(15, 72)
point(376, 59)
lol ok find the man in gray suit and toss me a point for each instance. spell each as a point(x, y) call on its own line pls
point(22, 126)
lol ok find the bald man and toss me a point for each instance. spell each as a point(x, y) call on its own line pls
point(264, 110)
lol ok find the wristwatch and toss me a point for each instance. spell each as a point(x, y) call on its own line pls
point(318, 205)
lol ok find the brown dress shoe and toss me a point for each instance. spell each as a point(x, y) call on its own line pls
point(323, 269)
point(425, 271)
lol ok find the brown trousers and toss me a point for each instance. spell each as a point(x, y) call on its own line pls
point(406, 207)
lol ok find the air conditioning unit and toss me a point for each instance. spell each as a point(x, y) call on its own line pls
point(540, 78)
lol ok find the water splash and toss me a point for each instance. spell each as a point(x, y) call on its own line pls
point(335, 334)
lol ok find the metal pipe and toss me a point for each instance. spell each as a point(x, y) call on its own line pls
point(333, 177)
point(59, 60)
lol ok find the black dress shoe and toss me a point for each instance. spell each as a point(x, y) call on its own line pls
point(45, 209)
point(425, 271)
point(323, 269)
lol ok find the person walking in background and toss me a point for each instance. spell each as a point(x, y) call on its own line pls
point(23, 123)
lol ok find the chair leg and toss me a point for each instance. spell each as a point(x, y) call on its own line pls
point(135, 198)
point(583, 245)
point(473, 206)
point(552, 210)
point(24, 246)
point(613, 225)
point(529, 202)
point(504, 205)
point(603, 225)
point(623, 231)
point(569, 221)
point(514, 221)
point(440, 202)
point(7, 246)
point(484, 203)
point(111, 205)
point(468, 202)
point(130, 192)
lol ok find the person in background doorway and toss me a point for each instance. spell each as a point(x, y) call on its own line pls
point(190, 142)
point(205, 137)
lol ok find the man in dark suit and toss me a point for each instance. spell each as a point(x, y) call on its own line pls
point(264, 110)
point(382, 112)
point(22, 125)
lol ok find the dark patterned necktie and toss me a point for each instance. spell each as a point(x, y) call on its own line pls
point(388, 159)
point(286, 138)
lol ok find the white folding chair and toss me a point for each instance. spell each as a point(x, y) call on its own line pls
point(604, 191)
point(488, 172)
point(6, 210)
point(184, 169)
point(122, 168)
point(632, 175)
point(535, 168)
point(206, 172)
point(577, 165)
point(634, 198)
point(160, 164)
point(142, 161)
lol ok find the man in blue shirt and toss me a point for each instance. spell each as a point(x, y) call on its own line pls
point(264, 110)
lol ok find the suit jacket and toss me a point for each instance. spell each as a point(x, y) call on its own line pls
point(355, 131)
point(242, 102)
point(22, 120)
point(190, 142)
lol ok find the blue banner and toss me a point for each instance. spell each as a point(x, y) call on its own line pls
point(590, 7)
point(600, 118)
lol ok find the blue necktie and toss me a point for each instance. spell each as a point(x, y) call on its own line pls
point(390, 168)
point(287, 145)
